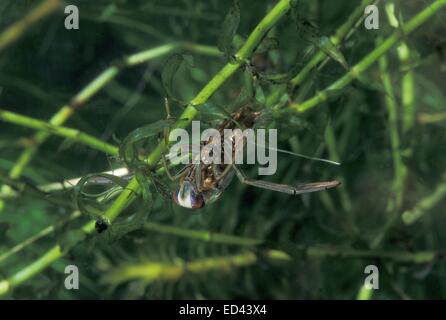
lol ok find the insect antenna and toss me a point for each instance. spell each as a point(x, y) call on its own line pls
point(300, 155)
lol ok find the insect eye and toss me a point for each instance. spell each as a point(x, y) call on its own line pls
point(186, 196)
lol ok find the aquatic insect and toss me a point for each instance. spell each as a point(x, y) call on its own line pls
point(201, 183)
point(101, 224)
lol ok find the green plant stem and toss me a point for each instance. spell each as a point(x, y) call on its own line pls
point(371, 58)
point(425, 204)
point(30, 270)
point(165, 49)
point(157, 271)
point(408, 90)
point(343, 32)
point(216, 82)
point(364, 293)
point(200, 49)
point(72, 134)
point(128, 194)
point(90, 90)
point(85, 95)
point(346, 202)
point(17, 29)
point(209, 89)
point(400, 170)
point(426, 118)
point(54, 253)
point(330, 140)
point(154, 271)
point(19, 187)
point(418, 257)
point(407, 82)
point(95, 86)
point(207, 236)
point(318, 251)
point(45, 232)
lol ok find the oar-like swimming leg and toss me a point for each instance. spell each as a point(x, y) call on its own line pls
point(292, 190)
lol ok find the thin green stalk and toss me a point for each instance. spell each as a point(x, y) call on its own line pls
point(407, 82)
point(147, 55)
point(330, 140)
point(200, 49)
point(72, 134)
point(19, 187)
point(408, 90)
point(425, 204)
point(17, 29)
point(128, 194)
point(212, 86)
point(54, 253)
point(343, 32)
point(45, 232)
point(364, 293)
point(318, 251)
point(32, 269)
point(400, 170)
point(82, 97)
point(418, 257)
point(346, 202)
point(156, 271)
point(426, 118)
point(94, 87)
point(209, 89)
point(89, 91)
point(207, 236)
point(371, 58)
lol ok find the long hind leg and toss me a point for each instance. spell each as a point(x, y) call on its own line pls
point(292, 190)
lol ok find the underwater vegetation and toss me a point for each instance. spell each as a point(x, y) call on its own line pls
point(91, 205)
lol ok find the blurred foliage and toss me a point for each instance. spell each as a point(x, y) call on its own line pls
point(46, 67)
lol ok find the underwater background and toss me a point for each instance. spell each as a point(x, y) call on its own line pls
point(383, 117)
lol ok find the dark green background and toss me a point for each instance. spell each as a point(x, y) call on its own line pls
point(49, 65)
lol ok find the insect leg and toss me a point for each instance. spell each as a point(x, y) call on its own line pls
point(171, 176)
point(218, 174)
point(198, 178)
point(304, 188)
point(165, 143)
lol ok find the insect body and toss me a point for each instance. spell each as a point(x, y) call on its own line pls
point(203, 183)
point(101, 224)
